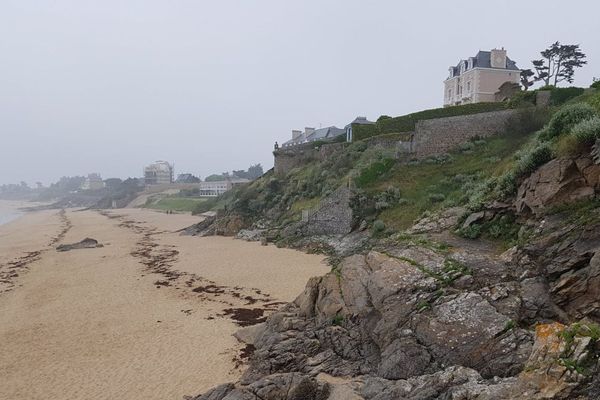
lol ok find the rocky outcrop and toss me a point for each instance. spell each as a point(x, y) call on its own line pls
point(394, 316)
point(439, 222)
point(223, 225)
point(206, 227)
point(563, 265)
point(410, 321)
point(560, 181)
point(562, 365)
point(87, 243)
point(251, 235)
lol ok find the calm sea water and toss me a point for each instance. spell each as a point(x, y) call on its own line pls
point(7, 215)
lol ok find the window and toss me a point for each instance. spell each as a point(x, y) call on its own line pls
point(469, 87)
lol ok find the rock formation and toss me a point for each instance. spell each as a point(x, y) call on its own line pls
point(410, 319)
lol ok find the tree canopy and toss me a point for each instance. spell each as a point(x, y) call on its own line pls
point(558, 63)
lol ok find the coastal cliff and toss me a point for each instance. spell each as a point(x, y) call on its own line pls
point(469, 275)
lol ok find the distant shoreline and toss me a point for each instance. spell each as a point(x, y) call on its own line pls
point(11, 210)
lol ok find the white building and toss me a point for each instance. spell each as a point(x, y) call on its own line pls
point(217, 188)
point(158, 173)
point(93, 182)
point(478, 79)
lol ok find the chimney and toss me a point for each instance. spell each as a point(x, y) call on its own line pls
point(296, 134)
point(308, 131)
point(498, 58)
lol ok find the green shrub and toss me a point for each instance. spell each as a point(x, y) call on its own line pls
point(566, 118)
point(436, 197)
point(523, 98)
point(473, 231)
point(559, 96)
point(360, 132)
point(507, 185)
point(378, 226)
point(374, 171)
point(547, 87)
point(466, 146)
point(338, 320)
point(568, 146)
point(532, 159)
point(588, 131)
point(595, 85)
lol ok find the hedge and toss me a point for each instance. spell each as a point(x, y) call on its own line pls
point(559, 96)
point(406, 123)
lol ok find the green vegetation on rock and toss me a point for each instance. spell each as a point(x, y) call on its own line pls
point(174, 203)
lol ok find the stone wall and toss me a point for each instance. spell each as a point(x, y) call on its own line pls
point(437, 136)
point(292, 157)
point(431, 137)
point(332, 216)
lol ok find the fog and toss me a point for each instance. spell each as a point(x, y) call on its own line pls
point(109, 86)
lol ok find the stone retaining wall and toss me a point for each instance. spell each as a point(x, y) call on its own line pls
point(431, 137)
point(332, 216)
point(437, 136)
point(293, 157)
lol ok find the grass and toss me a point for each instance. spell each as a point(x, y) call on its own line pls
point(579, 329)
point(175, 203)
point(424, 184)
point(305, 204)
point(582, 212)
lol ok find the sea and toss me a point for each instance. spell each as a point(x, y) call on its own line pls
point(8, 212)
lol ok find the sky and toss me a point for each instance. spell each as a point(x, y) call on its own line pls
point(109, 86)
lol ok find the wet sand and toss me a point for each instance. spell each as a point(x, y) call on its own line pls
point(148, 316)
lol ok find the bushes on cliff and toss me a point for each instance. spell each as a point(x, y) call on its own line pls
point(559, 96)
point(588, 131)
point(533, 158)
point(564, 120)
point(374, 171)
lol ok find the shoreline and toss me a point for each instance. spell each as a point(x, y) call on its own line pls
point(149, 315)
point(11, 211)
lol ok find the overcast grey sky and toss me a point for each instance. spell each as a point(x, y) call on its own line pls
point(110, 85)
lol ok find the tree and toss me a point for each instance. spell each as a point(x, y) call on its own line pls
point(558, 63)
point(255, 171)
point(526, 75)
point(215, 178)
point(112, 183)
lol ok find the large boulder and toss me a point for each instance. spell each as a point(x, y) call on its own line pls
point(560, 181)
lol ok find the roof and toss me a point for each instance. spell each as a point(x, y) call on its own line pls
point(325, 133)
point(483, 59)
point(298, 140)
point(329, 132)
point(360, 121)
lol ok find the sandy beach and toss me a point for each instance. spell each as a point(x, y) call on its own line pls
point(149, 315)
